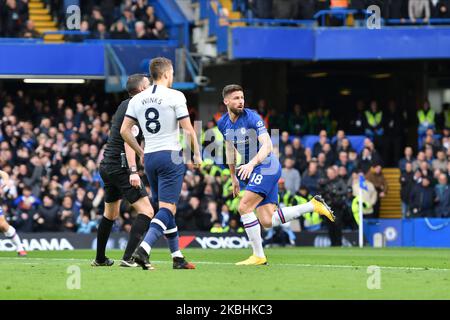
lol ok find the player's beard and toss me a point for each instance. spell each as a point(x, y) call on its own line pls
point(236, 111)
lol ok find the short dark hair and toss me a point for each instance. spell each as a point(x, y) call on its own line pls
point(51, 197)
point(158, 66)
point(230, 89)
point(134, 82)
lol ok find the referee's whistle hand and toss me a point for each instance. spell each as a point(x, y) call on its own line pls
point(135, 180)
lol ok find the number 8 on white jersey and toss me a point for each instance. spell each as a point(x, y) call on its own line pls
point(158, 110)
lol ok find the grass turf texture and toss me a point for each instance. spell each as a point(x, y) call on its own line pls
point(292, 273)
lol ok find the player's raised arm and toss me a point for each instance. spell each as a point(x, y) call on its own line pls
point(185, 123)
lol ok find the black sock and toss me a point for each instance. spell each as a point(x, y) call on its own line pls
point(104, 229)
point(137, 233)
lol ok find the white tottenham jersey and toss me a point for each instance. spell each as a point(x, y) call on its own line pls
point(157, 110)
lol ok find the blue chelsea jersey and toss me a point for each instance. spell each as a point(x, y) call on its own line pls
point(244, 132)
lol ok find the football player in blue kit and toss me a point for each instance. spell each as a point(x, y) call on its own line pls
point(245, 132)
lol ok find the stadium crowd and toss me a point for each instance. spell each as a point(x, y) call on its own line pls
point(106, 19)
point(306, 9)
point(52, 149)
point(425, 177)
point(135, 19)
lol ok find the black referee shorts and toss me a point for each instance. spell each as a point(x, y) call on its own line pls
point(117, 184)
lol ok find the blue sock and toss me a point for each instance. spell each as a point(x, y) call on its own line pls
point(157, 227)
point(172, 238)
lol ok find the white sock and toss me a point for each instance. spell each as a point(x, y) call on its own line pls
point(253, 229)
point(290, 213)
point(177, 254)
point(12, 234)
point(146, 247)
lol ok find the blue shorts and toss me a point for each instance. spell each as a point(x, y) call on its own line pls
point(264, 180)
point(1, 211)
point(165, 172)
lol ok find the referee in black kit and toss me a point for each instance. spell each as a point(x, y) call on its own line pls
point(120, 175)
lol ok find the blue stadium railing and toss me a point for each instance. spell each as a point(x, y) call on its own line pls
point(110, 59)
point(303, 38)
point(20, 40)
point(418, 22)
point(335, 12)
point(277, 22)
point(242, 6)
point(172, 16)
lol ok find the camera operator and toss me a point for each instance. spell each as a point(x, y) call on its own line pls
point(334, 191)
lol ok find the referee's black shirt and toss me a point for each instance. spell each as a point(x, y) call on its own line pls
point(115, 144)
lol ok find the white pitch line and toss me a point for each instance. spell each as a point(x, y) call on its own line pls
point(301, 265)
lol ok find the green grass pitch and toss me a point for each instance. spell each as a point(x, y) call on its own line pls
point(292, 273)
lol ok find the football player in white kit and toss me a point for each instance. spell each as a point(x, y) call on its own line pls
point(159, 110)
point(5, 228)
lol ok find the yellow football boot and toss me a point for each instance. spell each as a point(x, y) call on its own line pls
point(253, 261)
point(322, 208)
